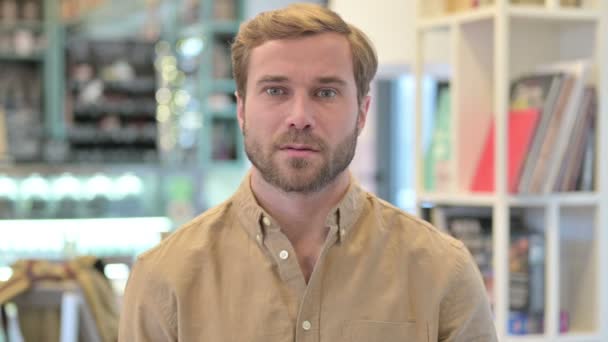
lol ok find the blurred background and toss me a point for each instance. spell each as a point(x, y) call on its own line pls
point(118, 125)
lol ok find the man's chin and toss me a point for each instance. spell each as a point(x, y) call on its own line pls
point(299, 180)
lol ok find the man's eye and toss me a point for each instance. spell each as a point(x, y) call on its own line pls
point(326, 93)
point(275, 91)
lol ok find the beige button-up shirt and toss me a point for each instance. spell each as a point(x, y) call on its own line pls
point(232, 275)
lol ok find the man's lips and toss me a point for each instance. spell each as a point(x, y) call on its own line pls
point(298, 147)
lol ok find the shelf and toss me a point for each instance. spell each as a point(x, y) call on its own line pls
point(117, 137)
point(534, 12)
point(11, 57)
point(123, 107)
point(154, 224)
point(562, 338)
point(33, 25)
point(579, 337)
point(445, 21)
point(517, 11)
point(215, 27)
point(87, 236)
point(136, 86)
point(567, 199)
point(574, 199)
point(19, 170)
point(463, 199)
point(527, 338)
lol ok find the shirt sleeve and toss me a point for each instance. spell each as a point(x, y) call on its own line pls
point(147, 309)
point(465, 314)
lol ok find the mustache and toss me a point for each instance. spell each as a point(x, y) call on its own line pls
point(300, 137)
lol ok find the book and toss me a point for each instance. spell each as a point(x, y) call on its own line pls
point(437, 175)
point(546, 142)
point(521, 127)
point(573, 159)
point(586, 180)
point(557, 143)
point(533, 90)
point(547, 109)
point(526, 278)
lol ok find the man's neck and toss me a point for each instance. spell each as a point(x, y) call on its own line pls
point(299, 215)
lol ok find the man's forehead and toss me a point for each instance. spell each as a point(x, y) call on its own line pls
point(325, 57)
point(332, 38)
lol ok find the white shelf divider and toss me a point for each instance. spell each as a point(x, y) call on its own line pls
point(580, 338)
point(602, 170)
point(557, 14)
point(526, 338)
point(464, 199)
point(552, 237)
point(501, 229)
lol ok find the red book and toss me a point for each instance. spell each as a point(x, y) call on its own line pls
point(522, 125)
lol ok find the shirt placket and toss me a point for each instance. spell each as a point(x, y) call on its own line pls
point(308, 323)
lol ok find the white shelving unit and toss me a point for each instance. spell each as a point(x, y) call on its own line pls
point(484, 49)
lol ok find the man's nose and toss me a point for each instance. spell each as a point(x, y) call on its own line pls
point(302, 112)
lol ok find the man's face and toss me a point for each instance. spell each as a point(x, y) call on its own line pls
point(301, 117)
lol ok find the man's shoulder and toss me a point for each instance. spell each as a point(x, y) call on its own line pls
point(186, 242)
point(414, 232)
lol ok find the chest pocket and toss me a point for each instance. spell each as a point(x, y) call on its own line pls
point(375, 331)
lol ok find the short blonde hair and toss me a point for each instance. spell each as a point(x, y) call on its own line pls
point(300, 20)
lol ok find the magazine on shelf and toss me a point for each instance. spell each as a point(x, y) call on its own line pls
point(554, 147)
point(572, 162)
point(546, 105)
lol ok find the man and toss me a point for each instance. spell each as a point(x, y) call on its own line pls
point(300, 252)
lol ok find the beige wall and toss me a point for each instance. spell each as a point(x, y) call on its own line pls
point(389, 23)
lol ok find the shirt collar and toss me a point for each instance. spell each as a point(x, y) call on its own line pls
point(256, 221)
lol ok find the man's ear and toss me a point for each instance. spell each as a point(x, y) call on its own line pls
point(240, 109)
point(363, 109)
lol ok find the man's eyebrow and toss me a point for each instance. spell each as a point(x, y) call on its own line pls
point(272, 79)
point(283, 79)
point(331, 79)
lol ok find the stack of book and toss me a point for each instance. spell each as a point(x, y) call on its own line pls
point(551, 133)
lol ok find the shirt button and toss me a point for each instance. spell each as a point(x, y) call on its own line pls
point(306, 325)
point(342, 232)
point(259, 238)
point(284, 254)
point(266, 221)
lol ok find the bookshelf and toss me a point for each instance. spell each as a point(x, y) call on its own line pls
point(482, 51)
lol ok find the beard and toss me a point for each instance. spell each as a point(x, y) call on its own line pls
point(300, 175)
